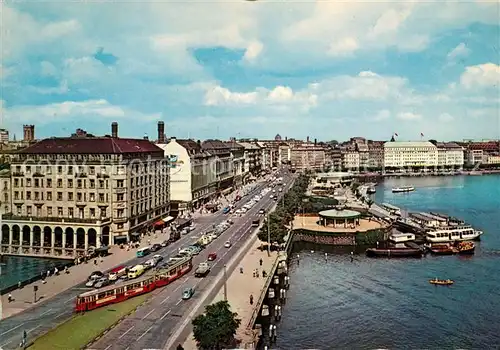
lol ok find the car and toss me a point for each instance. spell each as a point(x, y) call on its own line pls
point(262, 211)
point(212, 256)
point(227, 244)
point(92, 280)
point(96, 274)
point(102, 282)
point(158, 257)
point(165, 243)
point(187, 293)
point(155, 247)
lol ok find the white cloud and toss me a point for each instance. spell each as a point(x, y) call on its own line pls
point(482, 75)
point(409, 116)
point(46, 114)
point(253, 51)
point(445, 117)
point(461, 50)
point(218, 95)
point(382, 115)
point(344, 47)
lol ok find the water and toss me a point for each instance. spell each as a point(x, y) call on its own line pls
point(14, 269)
point(380, 303)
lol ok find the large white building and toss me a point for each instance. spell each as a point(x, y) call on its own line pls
point(192, 174)
point(450, 154)
point(410, 154)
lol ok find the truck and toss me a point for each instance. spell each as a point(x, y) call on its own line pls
point(202, 270)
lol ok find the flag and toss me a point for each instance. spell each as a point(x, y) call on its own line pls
point(422, 134)
point(395, 134)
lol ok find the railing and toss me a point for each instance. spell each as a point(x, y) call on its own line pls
point(17, 174)
point(13, 217)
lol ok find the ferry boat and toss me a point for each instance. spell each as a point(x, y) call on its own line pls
point(129, 289)
point(403, 189)
point(462, 248)
point(401, 237)
point(437, 282)
point(453, 233)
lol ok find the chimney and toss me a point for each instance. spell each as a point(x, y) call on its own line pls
point(145, 137)
point(315, 142)
point(161, 132)
point(114, 130)
point(29, 132)
point(307, 139)
point(286, 138)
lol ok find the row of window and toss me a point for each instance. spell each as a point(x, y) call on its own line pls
point(60, 183)
point(61, 212)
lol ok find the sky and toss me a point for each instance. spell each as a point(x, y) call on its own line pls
point(330, 70)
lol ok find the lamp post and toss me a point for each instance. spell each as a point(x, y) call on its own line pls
point(268, 237)
point(225, 283)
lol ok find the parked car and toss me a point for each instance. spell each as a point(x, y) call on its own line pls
point(155, 247)
point(188, 293)
point(92, 280)
point(158, 258)
point(165, 243)
point(212, 256)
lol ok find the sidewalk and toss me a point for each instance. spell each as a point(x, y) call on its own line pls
point(239, 288)
point(23, 298)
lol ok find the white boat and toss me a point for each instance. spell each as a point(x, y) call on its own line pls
point(403, 189)
point(401, 237)
point(453, 233)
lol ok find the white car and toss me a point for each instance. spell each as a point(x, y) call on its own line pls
point(227, 244)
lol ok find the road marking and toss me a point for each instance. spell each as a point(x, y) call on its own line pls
point(46, 312)
point(70, 299)
point(32, 329)
point(143, 334)
point(124, 334)
point(62, 313)
point(12, 329)
point(166, 314)
point(108, 347)
point(149, 313)
point(165, 300)
point(177, 303)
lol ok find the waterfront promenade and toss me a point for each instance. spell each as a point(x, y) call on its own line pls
point(239, 288)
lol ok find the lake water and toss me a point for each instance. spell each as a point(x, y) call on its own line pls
point(14, 269)
point(382, 303)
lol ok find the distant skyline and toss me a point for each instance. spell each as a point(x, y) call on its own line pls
point(210, 69)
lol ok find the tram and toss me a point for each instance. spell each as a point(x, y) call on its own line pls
point(114, 294)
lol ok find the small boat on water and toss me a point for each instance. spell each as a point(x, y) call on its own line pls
point(403, 189)
point(463, 248)
point(394, 252)
point(438, 282)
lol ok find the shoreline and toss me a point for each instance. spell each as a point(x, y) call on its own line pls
point(428, 174)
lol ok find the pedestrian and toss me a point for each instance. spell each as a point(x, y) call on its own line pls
point(254, 273)
point(10, 298)
point(251, 299)
point(48, 273)
point(260, 262)
point(19, 284)
point(95, 261)
point(241, 269)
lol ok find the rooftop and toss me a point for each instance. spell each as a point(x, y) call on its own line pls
point(339, 214)
point(91, 145)
point(408, 144)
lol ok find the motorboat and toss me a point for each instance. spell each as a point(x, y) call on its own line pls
point(439, 282)
point(394, 252)
point(403, 189)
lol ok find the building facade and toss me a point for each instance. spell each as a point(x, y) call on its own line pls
point(410, 154)
point(69, 194)
point(223, 164)
point(253, 158)
point(450, 154)
point(307, 156)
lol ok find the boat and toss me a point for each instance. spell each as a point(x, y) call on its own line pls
point(403, 189)
point(394, 252)
point(453, 233)
point(466, 248)
point(463, 248)
point(437, 282)
point(401, 237)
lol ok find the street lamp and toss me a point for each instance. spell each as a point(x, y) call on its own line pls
point(268, 237)
point(225, 283)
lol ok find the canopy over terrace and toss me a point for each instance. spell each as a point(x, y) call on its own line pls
point(339, 217)
point(163, 221)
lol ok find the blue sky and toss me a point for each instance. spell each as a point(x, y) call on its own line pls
point(328, 70)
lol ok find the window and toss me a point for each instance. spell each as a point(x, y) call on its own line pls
point(70, 212)
point(59, 196)
point(70, 196)
point(28, 169)
point(120, 213)
point(101, 183)
point(59, 211)
point(92, 197)
point(19, 210)
point(29, 210)
point(37, 196)
point(101, 197)
point(79, 197)
point(92, 213)
point(59, 183)
point(70, 183)
point(48, 170)
point(59, 169)
point(49, 183)
point(37, 183)
point(79, 184)
point(28, 182)
point(92, 170)
point(16, 182)
point(70, 170)
point(92, 183)
point(16, 195)
point(119, 183)
point(28, 195)
point(6, 197)
point(49, 211)
point(103, 213)
point(120, 197)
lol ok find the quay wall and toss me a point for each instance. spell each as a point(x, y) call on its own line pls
point(370, 237)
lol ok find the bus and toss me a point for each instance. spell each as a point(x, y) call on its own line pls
point(143, 252)
point(117, 293)
point(136, 271)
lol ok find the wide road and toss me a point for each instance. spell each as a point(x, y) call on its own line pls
point(48, 314)
point(156, 321)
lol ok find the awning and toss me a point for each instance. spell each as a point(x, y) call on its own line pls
point(167, 219)
point(159, 223)
point(121, 237)
point(227, 190)
point(135, 234)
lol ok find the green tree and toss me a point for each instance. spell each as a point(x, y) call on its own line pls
point(216, 328)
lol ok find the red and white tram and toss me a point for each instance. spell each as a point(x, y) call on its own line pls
point(129, 289)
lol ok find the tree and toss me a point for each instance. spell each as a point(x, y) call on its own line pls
point(216, 328)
